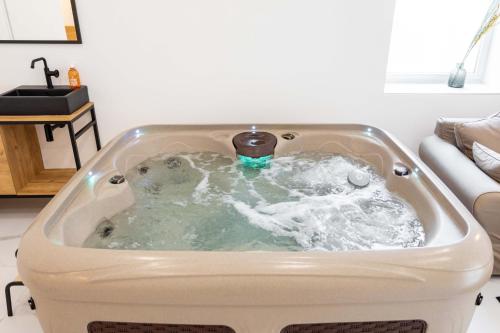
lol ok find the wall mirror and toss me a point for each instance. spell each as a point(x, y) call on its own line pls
point(39, 21)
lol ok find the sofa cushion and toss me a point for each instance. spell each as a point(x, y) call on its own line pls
point(445, 129)
point(484, 131)
point(487, 160)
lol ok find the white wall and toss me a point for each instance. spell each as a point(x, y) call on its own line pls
point(236, 61)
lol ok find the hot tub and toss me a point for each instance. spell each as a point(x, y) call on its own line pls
point(429, 287)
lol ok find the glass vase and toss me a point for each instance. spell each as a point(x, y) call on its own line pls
point(457, 76)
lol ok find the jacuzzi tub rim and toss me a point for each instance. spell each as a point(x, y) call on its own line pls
point(173, 268)
point(458, 273)
point(471, 225)
point(430, 178)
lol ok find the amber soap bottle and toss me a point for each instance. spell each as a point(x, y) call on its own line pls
point(74, 77)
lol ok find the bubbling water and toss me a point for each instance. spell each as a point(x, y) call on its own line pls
point(301, 202)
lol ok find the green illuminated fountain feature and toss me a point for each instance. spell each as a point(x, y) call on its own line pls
point(255, 149)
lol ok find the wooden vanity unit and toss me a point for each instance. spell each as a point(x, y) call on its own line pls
point(21, 164)
point(22, 172)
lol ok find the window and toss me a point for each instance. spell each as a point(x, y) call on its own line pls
point(429, 37)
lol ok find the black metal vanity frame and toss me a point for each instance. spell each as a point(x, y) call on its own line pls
point(50, 125)
point(77, 29)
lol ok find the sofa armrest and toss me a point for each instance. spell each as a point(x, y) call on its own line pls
point(460, 174)
point(477, 191)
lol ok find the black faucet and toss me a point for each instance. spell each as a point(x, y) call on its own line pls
point(47, 71)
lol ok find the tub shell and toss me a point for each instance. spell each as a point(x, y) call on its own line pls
point(252, 292)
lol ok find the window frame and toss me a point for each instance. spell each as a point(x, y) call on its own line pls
point(475, 77)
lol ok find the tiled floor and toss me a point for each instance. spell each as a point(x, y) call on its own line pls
point(16, 215)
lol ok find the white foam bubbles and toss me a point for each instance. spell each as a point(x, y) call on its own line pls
point(301, 202)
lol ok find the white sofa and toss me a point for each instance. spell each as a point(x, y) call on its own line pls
point(477, 191)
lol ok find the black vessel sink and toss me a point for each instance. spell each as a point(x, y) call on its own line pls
point(39, 100)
